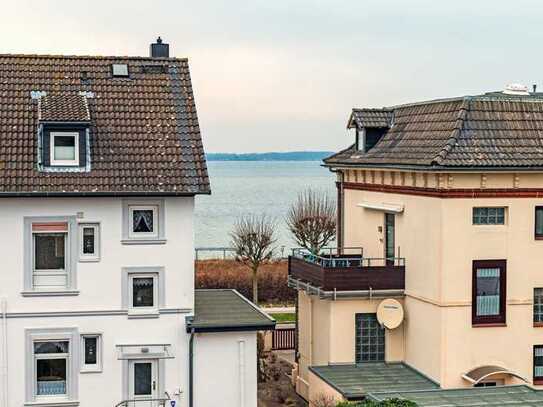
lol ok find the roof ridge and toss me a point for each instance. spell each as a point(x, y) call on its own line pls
point(455, 133)
point(106, 57)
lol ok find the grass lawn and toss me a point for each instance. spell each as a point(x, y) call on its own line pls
point(284, 317)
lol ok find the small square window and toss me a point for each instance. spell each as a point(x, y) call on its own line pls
point(89, 242)
point(143, 221)
point(143, 292)
point(91, 348)
point(120, 70)
point(65, 148)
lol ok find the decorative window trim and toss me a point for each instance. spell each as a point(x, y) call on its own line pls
point(156, 272)
point(537, 236)
point(64, 163)
point(97, 242)
point(493, 320)
point(70, 253)
point(97, 368)
point(158, 220)
point(72, 368)
point(503, 223)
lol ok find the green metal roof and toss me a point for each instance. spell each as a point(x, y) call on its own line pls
point(226, 310)
point(354, 382)
point(469, 397)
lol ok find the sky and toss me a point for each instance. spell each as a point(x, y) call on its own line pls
point(277, 75)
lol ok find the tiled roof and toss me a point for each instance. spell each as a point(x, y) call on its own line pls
point(485, 131)
point(144, 132)
point(226, 310)
point(64, 107)
point(371, 117)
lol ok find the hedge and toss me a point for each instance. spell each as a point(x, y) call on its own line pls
point(272, 279)
point(385, 403)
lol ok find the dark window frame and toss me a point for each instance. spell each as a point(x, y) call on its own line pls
point(491, 320)
point(46, 145)
point(537, 236)
point(373, 348)
point(536, 379)
point(537, 306)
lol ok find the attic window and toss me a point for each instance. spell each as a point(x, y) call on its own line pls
point(119, 70)
point(64, 148)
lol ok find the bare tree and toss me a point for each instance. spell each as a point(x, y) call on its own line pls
point(312, 220)
point(253, 239)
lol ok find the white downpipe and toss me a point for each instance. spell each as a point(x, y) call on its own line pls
point(4, 352)
point(241, 355)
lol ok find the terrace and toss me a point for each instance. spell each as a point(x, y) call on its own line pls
point(345, 271)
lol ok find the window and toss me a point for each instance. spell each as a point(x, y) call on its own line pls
point(49, 263)
point(64, 148)
point(488, 216)
point(51, 373)
point(538, 364)
point(119, 70)
point(143, 222)
point(49, 269)
point(89, 240)
point(488, 292)
point(143, 290)
point(486, 384)
point(370, 339)
point(539, 222)
point(91, 353)
point(390, 221)
point(538, 306)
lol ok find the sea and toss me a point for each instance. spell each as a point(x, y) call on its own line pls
point(255, 187)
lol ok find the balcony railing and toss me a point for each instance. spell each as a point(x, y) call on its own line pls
point(346, 269)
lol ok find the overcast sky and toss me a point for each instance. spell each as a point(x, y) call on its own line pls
point(272, 75)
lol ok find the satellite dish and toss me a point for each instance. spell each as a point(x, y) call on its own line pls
point(390, 313)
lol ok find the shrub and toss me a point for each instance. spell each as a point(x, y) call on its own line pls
point(272, 279)
point(385, 403)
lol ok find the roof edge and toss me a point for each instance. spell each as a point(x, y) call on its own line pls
point(107, 57)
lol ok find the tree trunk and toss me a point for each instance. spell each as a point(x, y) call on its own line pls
point(255, 285)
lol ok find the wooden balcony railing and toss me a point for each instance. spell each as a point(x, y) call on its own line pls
point(347, 269)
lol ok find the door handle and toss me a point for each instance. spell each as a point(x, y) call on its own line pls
point(154, 385)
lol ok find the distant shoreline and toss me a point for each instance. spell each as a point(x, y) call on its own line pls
point(273, 156)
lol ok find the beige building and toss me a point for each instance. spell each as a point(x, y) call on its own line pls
point(440, 206)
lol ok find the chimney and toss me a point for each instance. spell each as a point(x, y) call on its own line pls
point(159, 50)
point(534, 86)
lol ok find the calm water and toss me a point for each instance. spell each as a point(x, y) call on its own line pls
point(254, 187)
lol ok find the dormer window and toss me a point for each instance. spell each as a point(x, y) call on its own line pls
point(64, 148)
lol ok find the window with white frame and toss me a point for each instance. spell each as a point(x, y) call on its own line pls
point(91, 353)
point(143, 221)
point(51, 365)
point(49, 259)
point(64, 148)
point(89, 241)
point(143, 290)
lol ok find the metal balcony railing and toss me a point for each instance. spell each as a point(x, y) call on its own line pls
point(345, 257)
point(160, 402)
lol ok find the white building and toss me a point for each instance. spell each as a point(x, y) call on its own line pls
point(100, 160)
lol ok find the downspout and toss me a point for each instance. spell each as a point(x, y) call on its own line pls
point(191, 368)
point(4, 352)
point(241, 356)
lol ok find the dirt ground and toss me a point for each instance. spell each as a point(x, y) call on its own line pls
point(277, 389)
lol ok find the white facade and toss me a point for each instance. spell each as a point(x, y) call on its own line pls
point(97, 301)
point(225, 362)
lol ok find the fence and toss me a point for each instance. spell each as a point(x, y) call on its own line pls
point(214, 253)
point(284, 338)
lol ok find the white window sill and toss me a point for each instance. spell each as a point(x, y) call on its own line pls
point(89, 259)
point(143, 314)
point(143, 241)
point(53, 403)
point(59, 293)
point(85, 371)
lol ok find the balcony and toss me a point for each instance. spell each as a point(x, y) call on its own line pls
point(344, 270)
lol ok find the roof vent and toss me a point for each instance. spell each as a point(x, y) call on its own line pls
point(516, 89)
point(159, 50)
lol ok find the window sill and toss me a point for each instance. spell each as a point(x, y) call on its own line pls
point(93, 260)
point(143, 241)
point(538, 325)
point(489, 325)
point(143, 315)
point(51, 403)
point(86, 371)
point(538, 382)
point(538, 237)
point(60, 293)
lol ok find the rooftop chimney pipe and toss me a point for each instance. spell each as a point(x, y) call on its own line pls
point(534, 86)
point(159, 50)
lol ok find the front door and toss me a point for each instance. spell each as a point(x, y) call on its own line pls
point(143, 382)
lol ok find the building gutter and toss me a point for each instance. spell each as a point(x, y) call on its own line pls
point(4, 353)
point(191, 369)
point(46, 194)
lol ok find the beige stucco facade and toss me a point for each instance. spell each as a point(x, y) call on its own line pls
point(436, 236)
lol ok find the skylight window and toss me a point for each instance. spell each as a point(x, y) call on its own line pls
point(119, 70)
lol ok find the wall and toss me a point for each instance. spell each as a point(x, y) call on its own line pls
point(320, 390)
point(217, 374)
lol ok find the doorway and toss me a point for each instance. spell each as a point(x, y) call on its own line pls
point(143, 382)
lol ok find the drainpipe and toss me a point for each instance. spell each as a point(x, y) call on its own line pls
point(4, 352)
point(191, 369)
point(241, 356)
